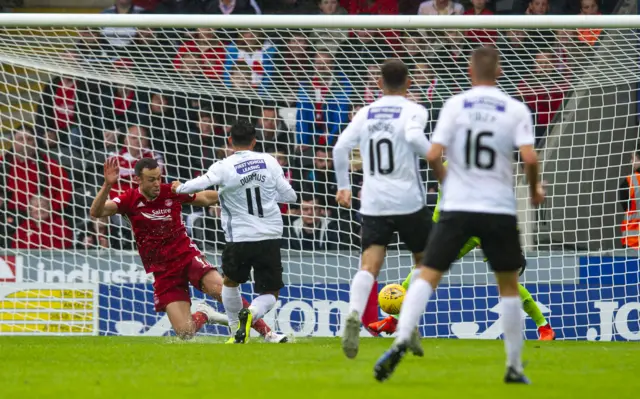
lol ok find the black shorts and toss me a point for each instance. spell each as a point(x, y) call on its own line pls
point(498, 234)
point(263, 256)
point(413, 229)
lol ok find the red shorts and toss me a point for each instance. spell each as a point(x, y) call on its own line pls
point(172, 285)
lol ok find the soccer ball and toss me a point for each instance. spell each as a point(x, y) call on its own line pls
point(391, 297)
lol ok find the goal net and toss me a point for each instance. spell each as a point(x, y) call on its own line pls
point(146, 86)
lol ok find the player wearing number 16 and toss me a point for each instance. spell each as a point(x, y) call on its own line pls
point(250, 186)
point(477, 130)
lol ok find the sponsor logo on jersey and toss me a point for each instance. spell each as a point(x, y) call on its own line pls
point(384, 113)
point(116, 200)
point(168, 202)
point(486, 103)
point(250, 165)
point(158, 215)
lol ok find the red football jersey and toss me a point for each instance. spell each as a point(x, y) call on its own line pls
point(157, 225)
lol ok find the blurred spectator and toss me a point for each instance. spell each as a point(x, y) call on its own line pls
point(312, 231)
point(543, 92)
point(106, 145)
point(323, 104)
point(517, 58)
point(628, 200)
point(292, 63)
point(440, 7)
point(412, 47)
point(295, 7)
point(43, 229)
point(209, 51)
point(68, 156)
point(204, 143)
point(363, 48)
point(272, 133)
point(25, 171)
point(64, 107)
point(122, 104)
point(91, 46)
point(538, 7)
point(252, 51)
point(136, 146)
point(372, 91)
point(151, 51)
point(589, 35)
point(480, 36)
point(232, 7)
point(120, 37)
point(425, 88)
point(329, 39)
point(324, 179)
point(372, 7)
point(206, 228)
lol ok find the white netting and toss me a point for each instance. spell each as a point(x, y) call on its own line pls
point(74, 96)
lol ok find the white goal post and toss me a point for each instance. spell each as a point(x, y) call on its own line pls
point(77, 89)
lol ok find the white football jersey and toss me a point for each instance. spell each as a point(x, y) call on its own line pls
point(480, 130)
point(390, 134)
point(250, 186)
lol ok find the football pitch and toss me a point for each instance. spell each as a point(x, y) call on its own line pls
point(117, 367)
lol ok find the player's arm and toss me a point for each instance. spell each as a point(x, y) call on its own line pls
point(524, 141)
point(102, 206)
point(445, 128)
point(414, 132)
point(205, 198)
point(211, 178)
point(347, 141)
point(286, 193)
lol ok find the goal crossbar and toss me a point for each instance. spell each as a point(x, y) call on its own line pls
point(318, 21)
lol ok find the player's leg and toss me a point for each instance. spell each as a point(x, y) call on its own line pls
point(267, 272)
point(236, 271)
point(376, 235)
point(501, 245)
point(171, 295)
point(211, 283)
point(444, 244)
point(414, 230)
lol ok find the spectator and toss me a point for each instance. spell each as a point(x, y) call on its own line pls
point(64, 108)
point(272, 133)
point(149, 51)
point(204, 143)
point(91, 46)
point(324, 181)
point(136, 146)
point(425, 88)
point(254, 52)
point(628, 200)
point(372, 7)
point(227, 7)
point(295, 7)
point(43, 229)
point(121, 37)
point(120, 103)
point(372, 91)
point(543, 92)
point(589, 36)
point(312, 231)
point(440, 7)
point(206, 228)
point(412, 47)
point(292, 63)
point(25, 172)
point(538, 7)
point(517, 60)
point(480, 36)
point(363, 48)
point(209, 51)
point(323, 105)
point(329, 39)
point(68, 156)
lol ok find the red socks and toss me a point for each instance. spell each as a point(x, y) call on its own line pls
point(370, 314)
point(199, 319)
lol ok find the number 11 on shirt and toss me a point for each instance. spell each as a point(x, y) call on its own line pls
point(258, 202)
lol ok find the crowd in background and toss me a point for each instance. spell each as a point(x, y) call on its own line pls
point(54, 168)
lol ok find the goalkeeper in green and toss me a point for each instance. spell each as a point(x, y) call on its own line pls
point(545, 332)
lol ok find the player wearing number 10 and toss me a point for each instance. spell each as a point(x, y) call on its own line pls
point(251, 185)
point(390, 134)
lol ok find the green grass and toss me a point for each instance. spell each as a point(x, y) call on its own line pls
point(117, 367)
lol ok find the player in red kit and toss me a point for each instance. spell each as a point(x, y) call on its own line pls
point(155, 214)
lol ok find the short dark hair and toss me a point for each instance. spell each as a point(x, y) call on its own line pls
point(242, 133)
point(145, 163)
point(394, 74)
